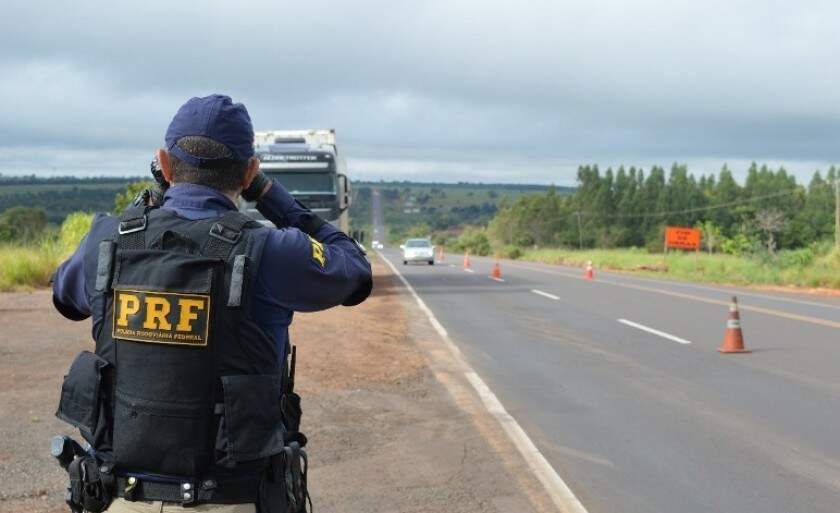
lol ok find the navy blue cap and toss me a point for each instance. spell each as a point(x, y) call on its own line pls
point(215, 117)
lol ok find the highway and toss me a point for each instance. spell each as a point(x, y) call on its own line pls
point(619, 383)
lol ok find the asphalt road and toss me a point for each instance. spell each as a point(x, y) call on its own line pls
point(654, 421)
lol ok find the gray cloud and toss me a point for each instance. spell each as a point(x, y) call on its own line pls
point(469, 90)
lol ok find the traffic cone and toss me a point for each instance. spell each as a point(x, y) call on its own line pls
point(497, 272)
point(733, 340)
point(467, 260)
point(590, 274)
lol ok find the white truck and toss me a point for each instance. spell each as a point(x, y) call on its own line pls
point(309, 166)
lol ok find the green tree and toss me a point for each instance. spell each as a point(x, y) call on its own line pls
point(771, 222)
point(22, 224)
point(419, 231)
point(815, 220)
point(725, 192)
point(712, 237)
point(654, 200)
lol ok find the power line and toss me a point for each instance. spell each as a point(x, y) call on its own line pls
point(691, 210)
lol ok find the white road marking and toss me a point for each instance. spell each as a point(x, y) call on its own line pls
point(653, 331)
point(545, 294)
point(557, 489)
point(469, 270)
point(500, 280)
point(702, 299)
point(674, 282)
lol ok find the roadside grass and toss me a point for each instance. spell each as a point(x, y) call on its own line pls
point(799, 268)
point(24, 267)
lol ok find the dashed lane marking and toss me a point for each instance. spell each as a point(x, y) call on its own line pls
point(545, 294)
point(682, 295)
point(654, 332)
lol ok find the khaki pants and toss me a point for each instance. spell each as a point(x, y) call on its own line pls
point(124, 506)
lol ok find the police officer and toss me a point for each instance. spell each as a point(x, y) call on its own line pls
point(187, 400)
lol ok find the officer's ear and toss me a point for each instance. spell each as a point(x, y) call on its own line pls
point(165, 164)
point(251, 172)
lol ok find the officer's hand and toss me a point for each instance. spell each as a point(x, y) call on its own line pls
point(151, 197)
point(157, 174)
point(258, 186)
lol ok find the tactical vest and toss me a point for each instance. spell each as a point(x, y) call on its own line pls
point(183, 383)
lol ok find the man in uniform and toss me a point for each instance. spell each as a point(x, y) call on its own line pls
point(187, 399)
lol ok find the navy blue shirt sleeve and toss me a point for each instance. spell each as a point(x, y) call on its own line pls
point(70, 295)
point(308, 272)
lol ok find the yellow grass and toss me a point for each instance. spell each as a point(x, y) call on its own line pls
point(31, 266)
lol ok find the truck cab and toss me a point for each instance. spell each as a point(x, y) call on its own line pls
point(308, 165)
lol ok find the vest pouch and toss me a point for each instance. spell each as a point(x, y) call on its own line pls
point(165, 361)
point(160, 436)
point(83, 396)
point(252, 424)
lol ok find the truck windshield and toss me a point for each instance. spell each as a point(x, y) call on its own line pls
point(299, 182)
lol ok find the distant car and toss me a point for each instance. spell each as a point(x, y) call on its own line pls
point(418, 250)
point(377, 245)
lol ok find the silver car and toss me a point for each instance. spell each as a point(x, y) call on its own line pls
point(418, 250)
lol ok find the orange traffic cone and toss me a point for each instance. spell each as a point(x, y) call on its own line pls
point(590, 274)
point(733, 340)
point(467, 260)
point(497, 272)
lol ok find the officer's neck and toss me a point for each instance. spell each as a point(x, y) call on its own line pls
point(232, 196)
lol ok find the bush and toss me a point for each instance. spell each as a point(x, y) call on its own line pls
point(419, 231)
point(510, 251)
point(26, 266)
point(796, 257)
point(22, 224)
point(74, 227)
point(737, 245)
point(475, 241)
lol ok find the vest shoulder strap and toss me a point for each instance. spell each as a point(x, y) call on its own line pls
point(225, 234)
point(132, 228)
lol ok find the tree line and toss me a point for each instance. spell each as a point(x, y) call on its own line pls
point(62, 195)
point(629, 207)
point(22, 223)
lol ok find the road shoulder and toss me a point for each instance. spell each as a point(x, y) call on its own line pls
point(408, 433)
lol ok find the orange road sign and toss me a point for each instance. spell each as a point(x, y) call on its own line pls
point(682, 238)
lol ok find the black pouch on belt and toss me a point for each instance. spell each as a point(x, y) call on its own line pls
point(273, 497)
point(283, 488)
point(90, 487)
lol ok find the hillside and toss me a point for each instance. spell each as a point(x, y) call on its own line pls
point(62, 195)
point(440, 206)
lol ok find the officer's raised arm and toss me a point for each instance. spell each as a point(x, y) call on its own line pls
point(69, 293)
point(71, 281)
point(308, 263)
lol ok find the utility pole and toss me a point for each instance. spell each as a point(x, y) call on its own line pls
point(837, 211)
point(580, 229)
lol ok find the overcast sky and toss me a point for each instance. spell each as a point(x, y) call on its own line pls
point(437, 90)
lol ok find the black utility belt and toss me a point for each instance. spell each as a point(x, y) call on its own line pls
point(240, 491)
